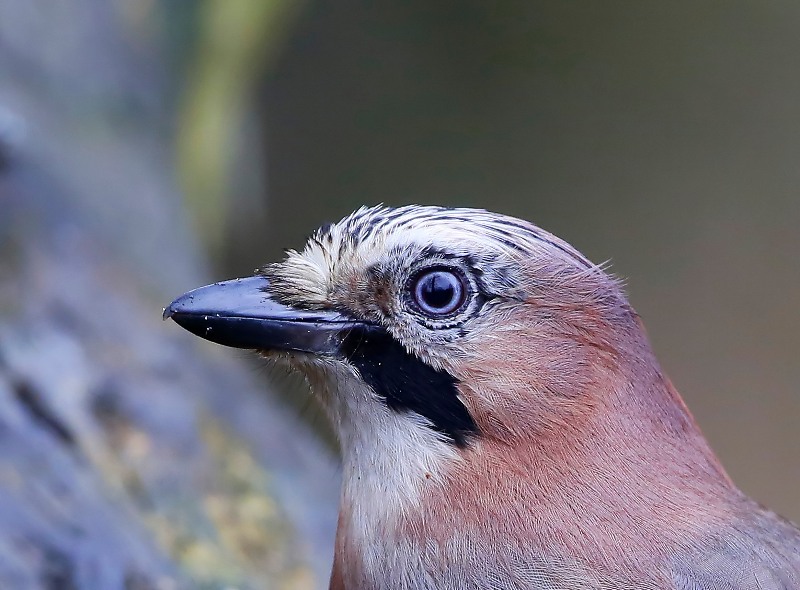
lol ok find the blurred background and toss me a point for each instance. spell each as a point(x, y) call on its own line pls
point(147, 147)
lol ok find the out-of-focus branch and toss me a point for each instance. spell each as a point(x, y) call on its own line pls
point(238, 40)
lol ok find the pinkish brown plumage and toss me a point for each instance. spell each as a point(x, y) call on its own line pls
point(502, 419)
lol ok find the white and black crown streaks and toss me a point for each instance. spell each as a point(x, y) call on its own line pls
point(514, 234)
point(377, 235)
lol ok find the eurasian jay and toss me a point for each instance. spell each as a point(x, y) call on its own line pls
point(503, 422)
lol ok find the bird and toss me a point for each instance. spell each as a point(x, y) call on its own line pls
point(502, 419)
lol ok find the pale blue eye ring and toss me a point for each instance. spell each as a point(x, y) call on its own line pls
point(438, 292)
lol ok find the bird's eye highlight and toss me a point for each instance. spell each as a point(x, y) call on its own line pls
point(438, 292)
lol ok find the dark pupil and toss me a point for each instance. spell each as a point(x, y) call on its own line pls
point(439, 291)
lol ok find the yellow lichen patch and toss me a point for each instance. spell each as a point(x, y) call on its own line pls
point(247, 519)
point(221, 524)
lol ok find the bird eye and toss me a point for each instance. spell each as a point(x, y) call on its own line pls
point(438, 292)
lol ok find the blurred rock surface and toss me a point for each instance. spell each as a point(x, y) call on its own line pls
point(131, 456)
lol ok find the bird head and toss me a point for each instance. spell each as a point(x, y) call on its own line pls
point(459, 321)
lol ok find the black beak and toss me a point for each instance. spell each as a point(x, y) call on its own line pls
point(241, 313)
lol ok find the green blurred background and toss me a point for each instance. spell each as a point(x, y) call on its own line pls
point(664, 136)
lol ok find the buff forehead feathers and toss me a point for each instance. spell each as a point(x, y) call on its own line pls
point(372, 234)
